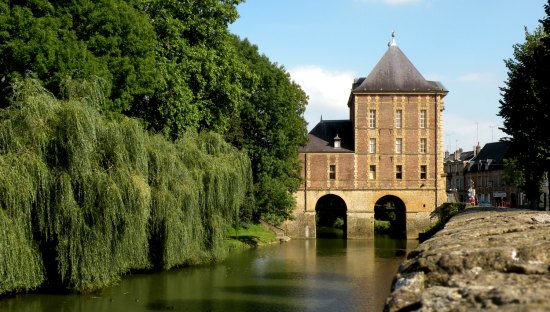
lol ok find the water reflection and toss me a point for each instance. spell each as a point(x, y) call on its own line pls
point(300, 275)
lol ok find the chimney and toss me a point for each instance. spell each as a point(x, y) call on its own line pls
point(337, 141)
point(458, 154)
point(477, 149)
point(446, 154)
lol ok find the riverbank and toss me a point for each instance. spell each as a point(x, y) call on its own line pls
point(483, 259)
point(252, 235)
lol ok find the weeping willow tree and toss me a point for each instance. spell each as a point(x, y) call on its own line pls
point(84, 199)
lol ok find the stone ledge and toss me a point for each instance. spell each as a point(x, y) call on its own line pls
point(484, 259)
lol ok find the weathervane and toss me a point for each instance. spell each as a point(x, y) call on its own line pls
point(392, 40)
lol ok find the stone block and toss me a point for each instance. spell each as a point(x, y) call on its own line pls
point(417, 223)
point(303, 226)
point(360, 225)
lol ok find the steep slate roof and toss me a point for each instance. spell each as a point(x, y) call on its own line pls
point(321, 137)
point(464, 156)
point(495, 151)
point(394, 72)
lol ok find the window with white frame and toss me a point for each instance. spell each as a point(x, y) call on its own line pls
point(398, 145)
point(372, 118)
point(372, 145)
point(398, 119)
point(423, 119)
point(399, 172)
point(372, 172)
point(423, 145)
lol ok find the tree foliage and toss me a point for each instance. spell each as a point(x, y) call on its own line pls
point(271, 128)
point(513, 175)
point(171, 63)
point(84, 199)
point(200, 86)
point(53, 40)
point(525, 107)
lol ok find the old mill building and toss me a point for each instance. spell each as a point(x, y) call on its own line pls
point(388, 154)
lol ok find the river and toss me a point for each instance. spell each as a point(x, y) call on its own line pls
point(299, 275)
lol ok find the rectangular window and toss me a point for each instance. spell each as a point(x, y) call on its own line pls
point(398, 172)
point(372, 172)
point(332, 172)
point(423, 172)
point(398, 119)
point(372, 118)
point(398, 145)
point(423, 146)
point(423, 119)
point(372, 146)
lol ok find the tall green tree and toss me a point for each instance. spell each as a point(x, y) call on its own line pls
point(525, 107)
point(201, 79)
point(52, 40)
point(271, 128)
point(173, 64)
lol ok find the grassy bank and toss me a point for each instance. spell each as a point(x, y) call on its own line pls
point(251, 236)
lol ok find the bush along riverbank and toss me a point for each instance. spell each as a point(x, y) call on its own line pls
point(442, 214)
point(84, 199)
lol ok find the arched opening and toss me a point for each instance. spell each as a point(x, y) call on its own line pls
point(330, 218)
point(390, 217)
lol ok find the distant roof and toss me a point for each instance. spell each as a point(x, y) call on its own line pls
point(394, 72)
point(464, 156)
point(321, 137)
point(495, 152)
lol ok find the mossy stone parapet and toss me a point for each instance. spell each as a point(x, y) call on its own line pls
point(483, 259)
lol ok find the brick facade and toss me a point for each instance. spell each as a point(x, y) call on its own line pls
point(420, 134)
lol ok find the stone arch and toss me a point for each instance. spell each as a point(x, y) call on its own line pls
point(330, 217)
point(392, 208)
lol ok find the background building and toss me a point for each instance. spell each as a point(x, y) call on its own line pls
point(454, 167)
point(486, 173)
point(388, 154)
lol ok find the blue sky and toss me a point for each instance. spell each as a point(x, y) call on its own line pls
point(324, 44)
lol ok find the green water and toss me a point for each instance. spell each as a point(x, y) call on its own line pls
point(299, 275)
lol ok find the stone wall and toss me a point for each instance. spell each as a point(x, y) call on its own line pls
point(360, 211)
point(484, 259)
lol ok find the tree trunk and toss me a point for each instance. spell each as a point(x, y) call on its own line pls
point(532, 189)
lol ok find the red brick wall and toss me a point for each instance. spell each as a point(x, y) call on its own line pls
point(385, 159)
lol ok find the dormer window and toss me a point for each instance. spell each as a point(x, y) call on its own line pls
point(337, 141)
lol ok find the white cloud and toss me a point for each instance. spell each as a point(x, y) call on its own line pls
point(328, 92)
point(481, 77)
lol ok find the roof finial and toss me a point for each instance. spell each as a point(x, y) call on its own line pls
point(392, 40)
